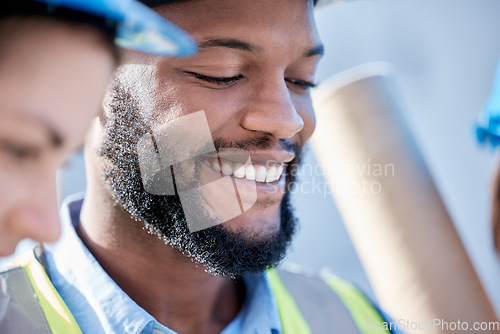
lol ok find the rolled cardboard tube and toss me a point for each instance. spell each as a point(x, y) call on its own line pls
point(391, 207)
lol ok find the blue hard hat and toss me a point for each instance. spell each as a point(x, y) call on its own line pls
point(137, 26)
point(488, 125)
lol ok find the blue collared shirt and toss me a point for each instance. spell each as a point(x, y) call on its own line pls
point(99, 305)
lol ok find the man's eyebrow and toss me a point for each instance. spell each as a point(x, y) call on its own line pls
point(237, 44)
point(230, 43)
point(315, 51)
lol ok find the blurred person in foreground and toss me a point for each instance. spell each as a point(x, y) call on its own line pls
point(56, 60)
point(157, 244)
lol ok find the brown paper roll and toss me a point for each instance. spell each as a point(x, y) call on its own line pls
point(391, 207)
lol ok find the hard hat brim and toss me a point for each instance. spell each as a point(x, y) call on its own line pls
point(137, 26)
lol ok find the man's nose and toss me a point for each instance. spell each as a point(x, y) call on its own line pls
point(270, 109)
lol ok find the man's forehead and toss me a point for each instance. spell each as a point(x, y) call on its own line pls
point(223, 23)
point(200, 11)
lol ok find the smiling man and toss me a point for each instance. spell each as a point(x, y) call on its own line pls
point(187, 206)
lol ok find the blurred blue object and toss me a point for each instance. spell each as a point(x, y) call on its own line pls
point(137, 26)
point(488, 126)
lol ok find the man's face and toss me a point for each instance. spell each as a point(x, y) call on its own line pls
point(251, 78)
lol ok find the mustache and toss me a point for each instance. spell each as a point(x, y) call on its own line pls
point(258, 143)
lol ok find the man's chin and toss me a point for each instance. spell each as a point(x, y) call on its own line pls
point(236, 253)
point(261, 223)
point(250, 243)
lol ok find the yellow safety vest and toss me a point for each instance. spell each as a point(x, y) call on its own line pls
point(29, 303)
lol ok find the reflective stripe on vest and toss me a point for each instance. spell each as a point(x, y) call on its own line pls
point(32, 303)
point(310, 305)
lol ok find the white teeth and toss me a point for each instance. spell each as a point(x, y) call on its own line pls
point(239, 171)
point(215, 165)
point(260, 174)
point(257, 173)
point(271, 174)
point(226, 169)
point(279, 171)
point(250, 173)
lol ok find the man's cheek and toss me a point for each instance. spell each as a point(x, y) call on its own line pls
point(174, 149)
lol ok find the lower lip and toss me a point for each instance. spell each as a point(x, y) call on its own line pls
point(271, 189)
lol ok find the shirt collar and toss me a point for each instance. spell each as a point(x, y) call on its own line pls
point(99, 305)
point(259, 313)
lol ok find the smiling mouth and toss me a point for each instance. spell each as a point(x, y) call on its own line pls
point(251, 172)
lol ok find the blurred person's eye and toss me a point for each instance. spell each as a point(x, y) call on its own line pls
point(19, 152)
